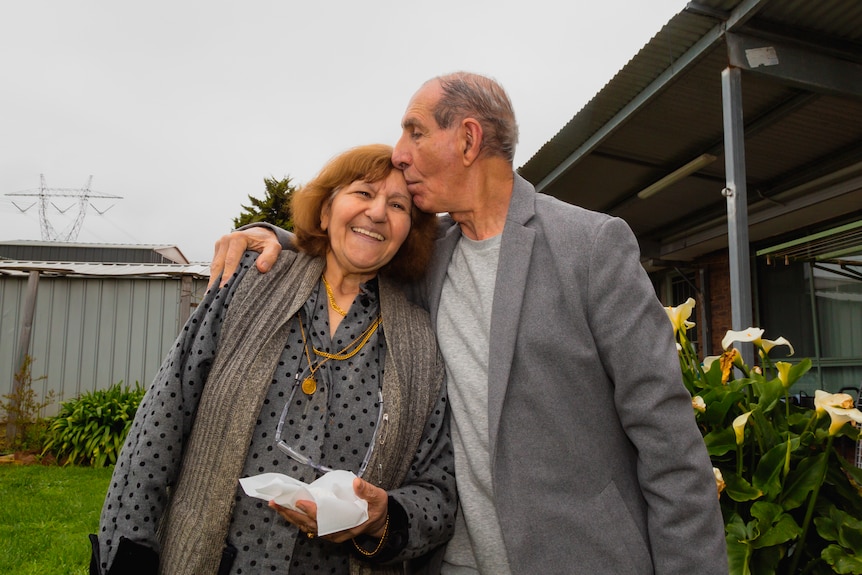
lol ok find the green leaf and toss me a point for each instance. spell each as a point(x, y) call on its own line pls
point(738, 489)
point(841, 561)
point(738, 553)
point(775, 526)
point(801, 481)
point(849, 529)
point(720, 441)
point(767, 476)
point(827, 526)
point(768, 393)
point(765, 429)
point(798, 371)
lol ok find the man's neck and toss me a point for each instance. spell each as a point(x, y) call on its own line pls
point(490, 194)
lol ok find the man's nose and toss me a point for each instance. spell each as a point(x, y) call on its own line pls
point(400, 156)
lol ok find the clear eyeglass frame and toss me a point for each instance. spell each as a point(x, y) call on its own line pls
point(304, 459)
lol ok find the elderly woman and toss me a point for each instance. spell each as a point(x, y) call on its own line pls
point(320, 364)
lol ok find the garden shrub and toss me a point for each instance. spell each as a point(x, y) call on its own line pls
point(22, 408)
point(91, 429)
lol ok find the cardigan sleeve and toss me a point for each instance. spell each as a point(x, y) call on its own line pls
point(428, 495)
point(150, 459)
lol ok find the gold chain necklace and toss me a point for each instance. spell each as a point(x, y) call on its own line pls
point(309, 384)
point(332, 301)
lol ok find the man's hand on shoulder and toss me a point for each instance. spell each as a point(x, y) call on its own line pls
point(230, 247)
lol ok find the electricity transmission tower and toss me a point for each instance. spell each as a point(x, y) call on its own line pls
point(82, 201)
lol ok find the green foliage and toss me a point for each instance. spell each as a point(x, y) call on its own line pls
point(792, 503)
point(46, 513)
point(22, 409)
point(91, 429)
point(273, 209)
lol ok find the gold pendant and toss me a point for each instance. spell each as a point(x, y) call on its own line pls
point(309, 385)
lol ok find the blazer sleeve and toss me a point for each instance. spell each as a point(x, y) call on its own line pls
point(636, 346)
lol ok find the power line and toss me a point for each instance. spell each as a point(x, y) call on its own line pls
point(45, 201)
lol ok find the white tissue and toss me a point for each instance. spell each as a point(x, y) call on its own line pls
point(338, 507)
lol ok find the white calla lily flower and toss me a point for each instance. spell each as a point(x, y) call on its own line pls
point(840, 408)
point(768, 344)
point(751, 334)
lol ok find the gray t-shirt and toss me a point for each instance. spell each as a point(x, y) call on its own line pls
point(463, 332)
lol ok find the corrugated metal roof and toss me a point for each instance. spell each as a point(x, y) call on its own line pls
point(664, 109)
point(8, 267)
point(96, 252)
point(84, 244)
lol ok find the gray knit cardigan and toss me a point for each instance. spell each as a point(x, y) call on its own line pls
point(193, 528)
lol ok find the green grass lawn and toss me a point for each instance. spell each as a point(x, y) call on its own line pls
point(46, 513)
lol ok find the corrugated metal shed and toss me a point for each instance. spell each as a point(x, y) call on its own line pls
point(88, 252)
point(801, 86)
point(94, 324)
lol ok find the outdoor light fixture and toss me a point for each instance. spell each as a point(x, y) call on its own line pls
point(676, 175)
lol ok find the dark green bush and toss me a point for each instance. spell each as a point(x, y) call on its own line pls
point(91, 429)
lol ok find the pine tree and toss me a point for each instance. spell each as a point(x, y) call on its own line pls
point(274, 208)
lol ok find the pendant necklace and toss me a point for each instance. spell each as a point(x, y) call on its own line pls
point(309, 384)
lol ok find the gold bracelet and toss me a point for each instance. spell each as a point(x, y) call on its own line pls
point(379, 545)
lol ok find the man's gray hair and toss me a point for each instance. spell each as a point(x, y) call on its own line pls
point(468, 95)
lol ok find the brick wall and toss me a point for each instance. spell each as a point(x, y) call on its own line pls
point(718, 274)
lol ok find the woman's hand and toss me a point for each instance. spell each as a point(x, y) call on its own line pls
point(305, 518)
point(378, 507)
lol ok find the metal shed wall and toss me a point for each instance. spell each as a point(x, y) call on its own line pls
point(91, 332)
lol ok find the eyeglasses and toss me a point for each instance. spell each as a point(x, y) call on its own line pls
point(294, 454)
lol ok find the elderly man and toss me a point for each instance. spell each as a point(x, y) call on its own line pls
point(575, 442)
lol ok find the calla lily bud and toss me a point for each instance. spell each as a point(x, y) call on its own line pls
point(783, 373)
point(679, 315)
point(739, 427)
point(719, 480)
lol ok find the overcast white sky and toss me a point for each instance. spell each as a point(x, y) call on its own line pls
point(183, 107)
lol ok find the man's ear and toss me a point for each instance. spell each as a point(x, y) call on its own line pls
point(471, 140)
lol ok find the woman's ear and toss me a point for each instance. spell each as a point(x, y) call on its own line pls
point(325, 215)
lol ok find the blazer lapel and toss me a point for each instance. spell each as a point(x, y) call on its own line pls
point(510, 288)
